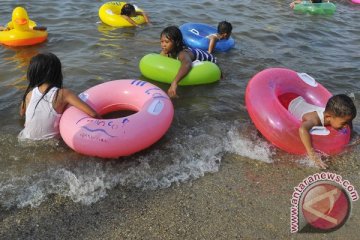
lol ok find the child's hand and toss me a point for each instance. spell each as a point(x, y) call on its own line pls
point(317, 159)
point(2, 28)
point(292, 5)
point(172, 90)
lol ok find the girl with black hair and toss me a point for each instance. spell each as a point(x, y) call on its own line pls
point(45, 99)
point(224, 30)
point(172, 45)
point(128, 11)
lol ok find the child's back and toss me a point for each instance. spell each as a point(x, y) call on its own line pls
point(42, 120)
point(45, 100)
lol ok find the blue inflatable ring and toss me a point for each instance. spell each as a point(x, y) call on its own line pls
point(195, 36)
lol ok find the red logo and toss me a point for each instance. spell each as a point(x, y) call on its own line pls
point(325, 206)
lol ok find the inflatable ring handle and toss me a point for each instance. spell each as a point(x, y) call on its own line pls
point(194, 31)
point(308, 79)
point(320, 131)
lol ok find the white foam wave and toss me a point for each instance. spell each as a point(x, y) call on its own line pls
point(183, 158)
point(254, 147)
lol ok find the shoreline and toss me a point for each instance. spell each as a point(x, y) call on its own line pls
point(244, 199)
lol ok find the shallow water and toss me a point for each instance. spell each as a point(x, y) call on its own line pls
point(210, 121)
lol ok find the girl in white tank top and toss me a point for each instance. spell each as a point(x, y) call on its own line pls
point(42, 121)
point(45, 100)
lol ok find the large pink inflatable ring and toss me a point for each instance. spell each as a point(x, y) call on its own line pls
point(277, 124)
point(111, 138)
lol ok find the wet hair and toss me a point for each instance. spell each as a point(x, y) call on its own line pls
point(44, 68)
point(224, 27)
point(174, 34)
point(341, 105)
point(128, 10)
point(316, 1)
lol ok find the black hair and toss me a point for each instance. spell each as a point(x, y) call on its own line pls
point(128, 10)
point(44, 68)
point(224, 27)
point(341, 105)
point(316, 1)
point(174, 34)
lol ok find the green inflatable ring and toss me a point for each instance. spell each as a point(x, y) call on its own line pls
point(164, 69)
point(315, 8)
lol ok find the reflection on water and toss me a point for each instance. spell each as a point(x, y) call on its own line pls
point(210, 120)
point(19, 63)
point(22, 57)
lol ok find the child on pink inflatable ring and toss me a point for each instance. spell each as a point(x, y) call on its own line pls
point(338, 113)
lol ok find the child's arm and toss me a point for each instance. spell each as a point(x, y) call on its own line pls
point(24, 104)
point(292, 5)
point(304, 132)
point(72, 99)
point(145, 16)
point(186, 65)
point(132, 22)
point(212, 43)
point(22, 109)
point(4, 28)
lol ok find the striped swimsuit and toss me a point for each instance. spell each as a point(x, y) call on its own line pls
point(201, 55)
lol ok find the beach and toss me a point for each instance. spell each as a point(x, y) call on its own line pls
point(244, 200)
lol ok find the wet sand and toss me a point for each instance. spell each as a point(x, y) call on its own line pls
point(246, 199)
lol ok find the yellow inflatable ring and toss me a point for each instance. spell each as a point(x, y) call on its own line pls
point(109, 13)
point(20, 30)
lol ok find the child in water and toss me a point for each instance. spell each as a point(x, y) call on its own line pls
point(292, 5)
point(172, 45)
point(223, 32)
point(45, 99)
point(128, 11)
point(338, 113)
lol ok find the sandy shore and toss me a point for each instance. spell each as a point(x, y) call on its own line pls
point(246, 199)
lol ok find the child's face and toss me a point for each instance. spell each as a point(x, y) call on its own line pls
point(225, 35)
point(339, 122)
point(167, 44)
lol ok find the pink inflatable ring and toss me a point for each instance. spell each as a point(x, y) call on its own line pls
point(277, 124)
point(111, 138)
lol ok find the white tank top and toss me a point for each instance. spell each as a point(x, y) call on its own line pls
point(41, 122)
point(213, 34)
point(298, 107)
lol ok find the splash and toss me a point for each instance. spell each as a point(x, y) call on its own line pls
point(254, 147)
point(184, 156)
